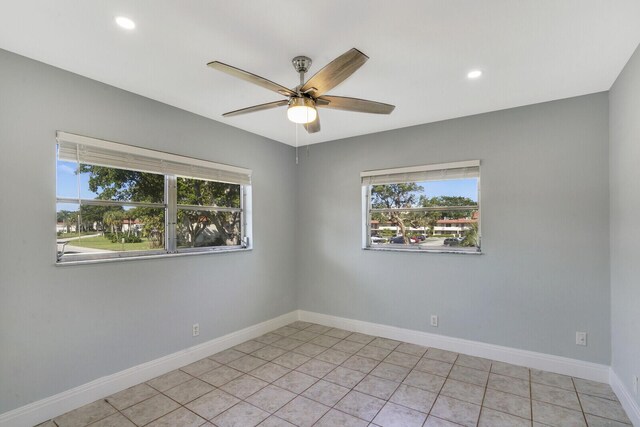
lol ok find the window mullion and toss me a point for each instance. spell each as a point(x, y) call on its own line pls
point(171, 214)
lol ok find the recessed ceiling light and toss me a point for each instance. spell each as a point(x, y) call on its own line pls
point(125, 23)
point(474, 74)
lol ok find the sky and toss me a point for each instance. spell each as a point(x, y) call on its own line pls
point(452, 187)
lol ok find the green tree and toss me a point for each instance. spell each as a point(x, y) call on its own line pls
point(395, 196)
point(433, 217)
point(113, 220)
point(67, 218)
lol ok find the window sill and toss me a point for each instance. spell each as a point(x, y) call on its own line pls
point(146, 257)
point(421, 251)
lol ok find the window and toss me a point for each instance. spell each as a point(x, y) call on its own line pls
point(117, 201)
point(432, 208)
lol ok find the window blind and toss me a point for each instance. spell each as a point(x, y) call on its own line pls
point(98, 152)
point(440, 172)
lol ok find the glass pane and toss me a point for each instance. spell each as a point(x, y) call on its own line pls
point(452, 192)
point(208, 193)
point(103, 183)
point(106, 229)
point(203, 228)
point(442, 230)
point(66, 179)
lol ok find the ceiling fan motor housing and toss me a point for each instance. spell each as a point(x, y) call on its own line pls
point(301, 63)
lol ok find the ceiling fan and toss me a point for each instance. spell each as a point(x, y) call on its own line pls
point(304, 98)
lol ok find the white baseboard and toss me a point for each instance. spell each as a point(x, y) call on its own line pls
point(628, 402)
point(531, 359)
point(60, 403)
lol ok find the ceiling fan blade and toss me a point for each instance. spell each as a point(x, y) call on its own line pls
point(354, 104)
point(251, 78)
point(335, 72)
point(314, 126)
point(255, 108)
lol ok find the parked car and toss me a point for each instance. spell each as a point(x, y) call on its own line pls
point(400, 240)
point(378, 239)
point(453, 241)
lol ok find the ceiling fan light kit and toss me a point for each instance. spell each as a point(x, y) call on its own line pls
point(306, 97)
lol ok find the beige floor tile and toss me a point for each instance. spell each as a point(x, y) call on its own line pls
point(457, 411)
point(285, 331)
point(212, 404)
point(268, 353)
point(333, 356)
point(246, 363)
point(509, 403)
point(249, 347)
point(377, 387)
point(50, 423)
point(269, 372)
point(316, 368)
point(299, 324)
point(413, 349)
point(425, 381)
point(510, 370)
point(469, 375)
point(309, 349)
point(492, 418)
point(594, 388)
point(191, 390)
point(115, 420)
point(441, 355)
point(345, 377)
point(304, 336)
point(169, 380)
point(385, 343)
point(302, 412)
point(291, 360)
point(414, 398)
point(296, 382)
point(180, 417)
point(318, 329)
point(360, 338)
point(338, 333)
point(390, 372)
point(326, 392)
point(360, 405)
point(439, 422)
point(271, 398)
point(473, 362)
point(555, 396)
point(131, 396)
point(85, 414)
point(244, 386)
point(372, 352)
point(150, 410)
point(549, 378)
point(556, 416)
point(392, 415)
point(594, 421)
point(226, 356)
point(463, 391)
point(434, 367)
point(274, 421)
point(335, 418)
point(347, 346)
point(325, 341)
point(200, 367)
point(288, 343)
point(220, 376)
point(402, 359)
point(268, 338)
point(604, 408)
point(511, 385)
point(361, 364)
point(240, 415)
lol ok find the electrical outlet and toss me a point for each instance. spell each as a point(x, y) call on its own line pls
point(581, 338)
point(635, 384)
point(196, 329)
point(434, 320)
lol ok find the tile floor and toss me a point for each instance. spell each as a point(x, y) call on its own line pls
point(305, 374)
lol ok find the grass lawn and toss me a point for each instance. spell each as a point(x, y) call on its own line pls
point(100, 242)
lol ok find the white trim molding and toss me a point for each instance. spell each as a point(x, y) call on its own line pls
point(626, 399)
point(531, 359)
point(61, 403)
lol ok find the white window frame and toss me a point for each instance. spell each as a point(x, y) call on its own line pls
point(415, 174)
point(171, 166)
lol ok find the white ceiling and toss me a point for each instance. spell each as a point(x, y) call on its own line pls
point(420, 51)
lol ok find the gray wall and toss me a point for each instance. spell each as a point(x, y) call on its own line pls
point(65, 326)
point(544, 273)
point(624, 117)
